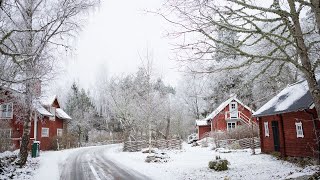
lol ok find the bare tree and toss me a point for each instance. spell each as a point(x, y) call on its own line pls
point(269, 34)
point(30, 32)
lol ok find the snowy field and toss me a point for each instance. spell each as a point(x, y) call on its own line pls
point(188, 163)
point(192, 163)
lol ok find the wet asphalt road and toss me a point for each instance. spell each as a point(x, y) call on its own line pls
point(91, 164)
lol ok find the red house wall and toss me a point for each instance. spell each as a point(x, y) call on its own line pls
point(202, 130)
point(290, 144)
point(219, 122)
point(45, 142)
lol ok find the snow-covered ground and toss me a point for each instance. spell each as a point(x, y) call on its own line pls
point(192, 163)
point(9, 170)
point(188, 163)
point(50, 163)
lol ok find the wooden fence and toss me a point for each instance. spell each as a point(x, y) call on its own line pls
point(133, 146)
point(243, 143)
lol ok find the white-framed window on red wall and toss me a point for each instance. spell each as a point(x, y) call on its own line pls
point(231, 125)
point(59, 132)
point(6, 111)
point(266, 129)
point(299, 130)
point(45, 132)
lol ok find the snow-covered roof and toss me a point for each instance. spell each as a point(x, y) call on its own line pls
point(223, 105)
point(48, 100)
point(293, 98)
point(61, 114)
point(37, 105)
point(202, 122)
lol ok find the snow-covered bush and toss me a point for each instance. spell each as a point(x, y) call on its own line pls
point(219, 164)
point(9, 168)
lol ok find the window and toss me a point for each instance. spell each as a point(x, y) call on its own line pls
point(231, 125)
point(53, 112)
point(45, 132)
point(59, 132)
point(5, 133)
point(6, 111)
point(299, 130)
point(266, 129)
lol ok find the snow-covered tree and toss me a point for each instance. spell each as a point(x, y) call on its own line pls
point(273, 34)
point(30, 32)
point(79, 105)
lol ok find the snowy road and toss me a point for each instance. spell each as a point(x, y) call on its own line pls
point(92, 164)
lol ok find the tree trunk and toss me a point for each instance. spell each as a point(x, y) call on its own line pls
point(29, 70)
point(307, 69)
point(168, 128)
point(25, 141)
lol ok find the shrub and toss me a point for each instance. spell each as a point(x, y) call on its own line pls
point(235, 145)
point(276, 154)
point(219, 164)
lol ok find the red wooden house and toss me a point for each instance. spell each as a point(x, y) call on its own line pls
point(229, 115)
point(49, 121)
point(288, 124)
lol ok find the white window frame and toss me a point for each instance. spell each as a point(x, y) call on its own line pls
point(53, 112)
point(59, 132)
point(235, 125)
point(233, 111)
point(299, 130)
point(266, 129)
point(6, 114)
point(45, 135)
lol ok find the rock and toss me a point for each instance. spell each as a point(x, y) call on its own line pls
point(157, 158)
point(194, 144)
point(219, 165)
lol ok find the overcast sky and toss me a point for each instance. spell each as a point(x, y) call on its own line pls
point(114, 36)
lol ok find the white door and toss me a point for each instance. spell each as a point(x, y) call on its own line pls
point(233, 110)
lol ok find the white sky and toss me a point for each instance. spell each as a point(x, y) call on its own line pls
point(114, 36)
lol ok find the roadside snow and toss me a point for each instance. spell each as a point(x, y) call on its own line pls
point(192, 163)
point(50, 161)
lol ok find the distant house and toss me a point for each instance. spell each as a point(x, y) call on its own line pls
point(229, 115)
point(48, 121)
point(288, 124)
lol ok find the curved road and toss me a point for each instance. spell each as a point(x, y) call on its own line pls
point(91, 164)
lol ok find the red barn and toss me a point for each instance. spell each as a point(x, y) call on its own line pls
point(229, 115)
point(288, 124)
point(48, 121)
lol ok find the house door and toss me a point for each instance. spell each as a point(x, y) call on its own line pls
point(233, 110)
point(276, 139)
